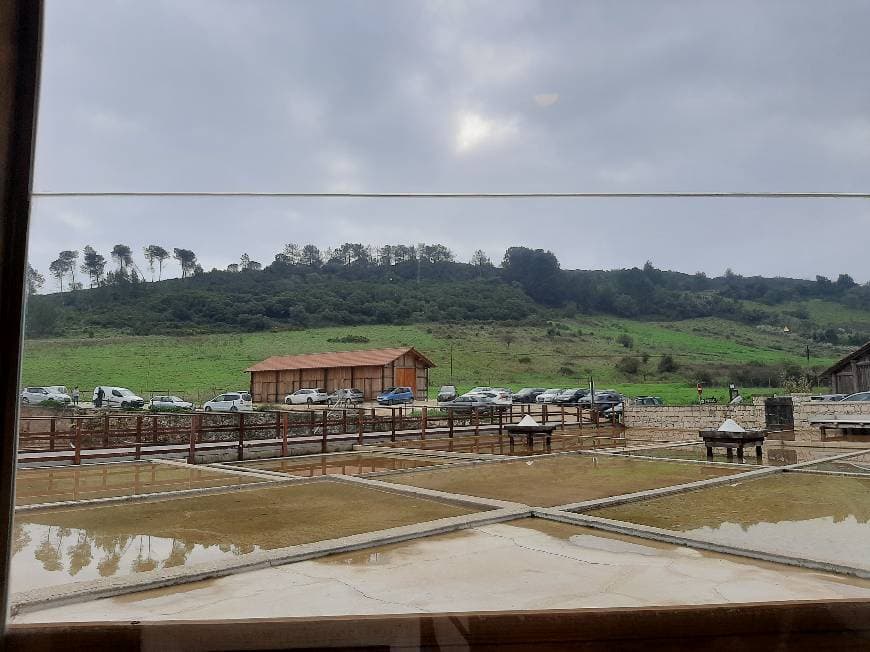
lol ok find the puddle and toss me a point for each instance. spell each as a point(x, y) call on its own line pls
point(559, 480)
point(773, 454)
point(350, 464)
point(858, 464)
point(797, 514)
point(493, 445)
point(64, 483)
point(63, 545)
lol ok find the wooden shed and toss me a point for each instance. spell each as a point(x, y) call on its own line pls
point(370, 371)
point(852, 373)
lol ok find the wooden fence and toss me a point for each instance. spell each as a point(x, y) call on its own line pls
point(110, 434)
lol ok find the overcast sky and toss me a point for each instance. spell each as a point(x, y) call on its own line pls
point(461, 96)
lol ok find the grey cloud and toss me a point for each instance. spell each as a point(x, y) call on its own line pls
point(369, 96)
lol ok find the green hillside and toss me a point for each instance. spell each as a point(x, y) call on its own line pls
point(558, 353)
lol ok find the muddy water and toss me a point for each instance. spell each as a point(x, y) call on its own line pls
point(495, 445)
point(799, 514)
point(559, 480)
point(56, 484)
point(55, 546)
point(857, 464)
point(773, 454)
point(351, 464)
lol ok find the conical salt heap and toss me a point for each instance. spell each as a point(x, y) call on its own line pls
point(528, 421)
point(730, 425)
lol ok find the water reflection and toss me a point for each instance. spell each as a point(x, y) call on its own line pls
point(45, 555)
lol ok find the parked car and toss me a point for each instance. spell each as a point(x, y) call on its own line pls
point(570, 396)
point(446, 393)
point(528, 394)
point(170, 402)
point(860, 396)
point(118, 397)
point(393, 395)
point(497, 397)
point(648, 400)
point(475, 391)
point(828, 397)
point(307, 396)
point(37, 395)
point(230, 402)
point(549, 395)
point(603, 400)
point(60, 389)
point(352, 395)
point(464, 403)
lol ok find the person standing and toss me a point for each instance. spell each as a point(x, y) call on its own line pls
point(98, 402)
point(75, 395)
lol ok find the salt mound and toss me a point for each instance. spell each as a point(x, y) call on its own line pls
point(528, 421)
point(730, 425)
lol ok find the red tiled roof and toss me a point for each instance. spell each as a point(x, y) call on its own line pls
point(366, 358)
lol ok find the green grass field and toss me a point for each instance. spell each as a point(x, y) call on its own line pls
point(565, 355)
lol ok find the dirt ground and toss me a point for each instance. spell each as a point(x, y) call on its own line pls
point(559, 480)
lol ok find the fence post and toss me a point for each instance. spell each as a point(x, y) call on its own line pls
point(360, 425)
point(562, 409)
point(325, 430)
point(450, 422)
point(424, 417)
point(580, 417)
point(476, 416)
point(544, 413)
point(501, 423)
point(310, 423)
point(138, 437)
point(393, 423)
point(106, 430)
point(51, 430)
point(285, 424)
point(191, 455)
point(241, 453)
point(154, 429)
point(77, 442)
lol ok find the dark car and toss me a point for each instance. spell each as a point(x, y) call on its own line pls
point(648, 400)
point(446, 393)
point(570, 396)
point(527, 394)
point(603, 400)
point(860, 396)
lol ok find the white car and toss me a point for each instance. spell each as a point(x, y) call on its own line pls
point(230, 402)
point(163, 402)
point(549, 396)
point(118, 397)
point(478, 391)
point(37, 395)
point(307, 397)
point(499, 397)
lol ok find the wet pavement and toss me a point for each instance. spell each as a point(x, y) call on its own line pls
point(773, 454)
point(819, 517)
point(549, 481)
point(525, 564)
point(56, 546)
point(343, 464)
point(67, 483)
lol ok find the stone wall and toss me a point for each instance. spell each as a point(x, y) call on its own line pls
point(691, 418)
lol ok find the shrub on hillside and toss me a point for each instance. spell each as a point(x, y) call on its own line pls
point(667, 364)
point(625, 340)
point(628, 365)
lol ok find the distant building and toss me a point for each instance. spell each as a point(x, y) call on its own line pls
point(370, 371)
point(852, 373)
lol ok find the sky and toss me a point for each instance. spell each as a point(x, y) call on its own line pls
point(452, 96)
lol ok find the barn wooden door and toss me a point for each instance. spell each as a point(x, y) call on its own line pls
point(407, 377)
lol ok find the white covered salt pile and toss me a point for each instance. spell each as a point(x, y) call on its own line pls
point(730, 425)
point(528, 421)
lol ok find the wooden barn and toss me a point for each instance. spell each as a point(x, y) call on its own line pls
point(852, 373)
point(370, 371)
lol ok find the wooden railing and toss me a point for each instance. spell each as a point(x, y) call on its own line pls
point(111, 434)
